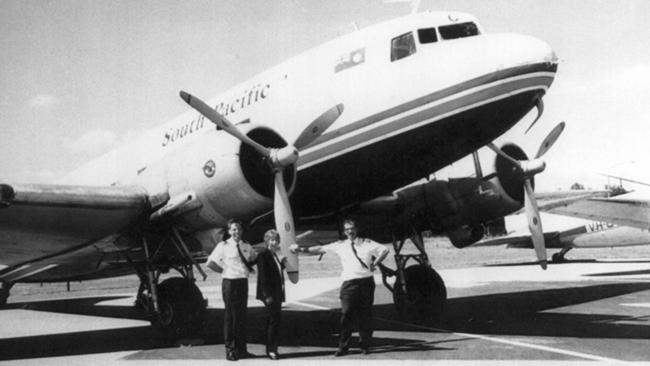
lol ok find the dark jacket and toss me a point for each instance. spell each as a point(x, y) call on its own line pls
point(270, 280)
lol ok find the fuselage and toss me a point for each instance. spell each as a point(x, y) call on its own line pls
point(571, 232)
point(419, 92)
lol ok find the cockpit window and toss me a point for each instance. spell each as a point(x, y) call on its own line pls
point(460, 30)
point(427, 35)
point(402, 46)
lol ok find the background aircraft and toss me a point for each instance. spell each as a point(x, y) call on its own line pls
point(566, 233)
point(340, 127)
point(631, 209)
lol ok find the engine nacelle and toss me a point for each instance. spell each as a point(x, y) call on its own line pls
point(458, 207)
point(465, 235)
point(229, 179)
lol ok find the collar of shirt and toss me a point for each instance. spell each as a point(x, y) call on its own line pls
point(233, 266)
point(351, 267)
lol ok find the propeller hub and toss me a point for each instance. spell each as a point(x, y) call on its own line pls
point(283, 157)
point(532, 167)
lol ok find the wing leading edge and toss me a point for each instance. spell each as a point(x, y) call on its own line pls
point(40, 221)
point(619, 210)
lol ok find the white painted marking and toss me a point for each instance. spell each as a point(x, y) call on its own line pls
point(412, 126)
point(34, 272)
point(307, 305)
point(513, 343)
point(300, 236)
point(638, 304)
point(31, 323)
point(15, 270)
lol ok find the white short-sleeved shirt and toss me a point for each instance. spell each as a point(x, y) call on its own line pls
point(352, 268)
point(225, 254)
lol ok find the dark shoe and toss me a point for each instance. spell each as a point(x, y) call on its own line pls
point(365, 351)
point(341, 352)
point(231, 356)
point(273, 355)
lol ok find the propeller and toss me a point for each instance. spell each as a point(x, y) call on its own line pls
point(528, 169)
point(278, 159)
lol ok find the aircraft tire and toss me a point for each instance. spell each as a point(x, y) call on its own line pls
point(557, 258)
point(182, 308)
point(4, 294)
point(425, 297)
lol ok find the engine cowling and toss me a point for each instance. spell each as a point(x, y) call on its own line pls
point(465, 235)
point(228, 178)
point(460, 208)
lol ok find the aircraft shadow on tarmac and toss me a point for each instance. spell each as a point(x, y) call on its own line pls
point(515, 313)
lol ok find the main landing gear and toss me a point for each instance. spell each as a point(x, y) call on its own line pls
point(419, 293)
point(175, 306)
point(559, 256)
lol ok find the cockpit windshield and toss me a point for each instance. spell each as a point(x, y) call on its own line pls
point(427, 35)
point(460, 30)
point(402, 46)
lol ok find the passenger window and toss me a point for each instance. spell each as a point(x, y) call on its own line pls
point(427, 35)
point(402, 46)
point(458, 30)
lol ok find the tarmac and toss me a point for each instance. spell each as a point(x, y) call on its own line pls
point(505, 311)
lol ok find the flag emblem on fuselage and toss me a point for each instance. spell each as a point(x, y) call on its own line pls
point(353, 58)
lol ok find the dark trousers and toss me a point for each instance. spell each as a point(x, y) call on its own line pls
point(273, 315)
point(235, 298)
point(357, 297)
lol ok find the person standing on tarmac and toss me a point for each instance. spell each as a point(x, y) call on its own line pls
point(359, 259)
point(270, 288)
point(234, 259)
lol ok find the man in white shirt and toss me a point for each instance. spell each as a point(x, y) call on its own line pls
point(234, 258)
point(359, 258)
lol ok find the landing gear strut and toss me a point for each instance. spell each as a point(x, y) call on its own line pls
point(176, 306)
point(559, 256)
point(419, 293)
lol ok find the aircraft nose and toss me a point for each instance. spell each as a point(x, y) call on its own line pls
point(516, 50)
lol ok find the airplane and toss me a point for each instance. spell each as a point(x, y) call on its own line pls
point(627, 214)
point(334, 131)
point(569, 233)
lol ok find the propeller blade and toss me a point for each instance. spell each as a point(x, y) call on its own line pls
point(550, 139)
point(318, 126)
point(284, 225)
point(506, 156)
point(535, 224)
point(221, 121)
point(540, 111)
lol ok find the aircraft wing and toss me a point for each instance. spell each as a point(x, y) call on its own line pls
point(620, 210)
point(550, 200)
point(43, 221)
point(553, 239)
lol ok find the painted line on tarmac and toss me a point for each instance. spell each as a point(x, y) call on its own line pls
point(637, 304)
point(477, 336)
point(307, 305)
point(513, 343)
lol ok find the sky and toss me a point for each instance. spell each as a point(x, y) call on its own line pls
point(82, 77)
